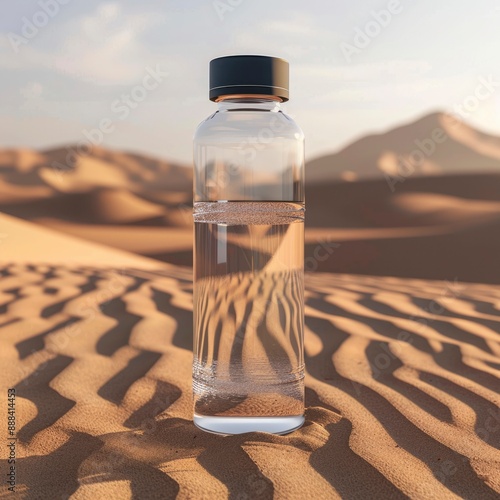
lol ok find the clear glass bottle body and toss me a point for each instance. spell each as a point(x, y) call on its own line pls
point(248, 366)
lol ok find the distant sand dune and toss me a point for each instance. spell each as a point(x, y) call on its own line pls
point(364, 212)
point(447, 145)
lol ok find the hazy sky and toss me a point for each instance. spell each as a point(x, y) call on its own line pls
point(65, 71)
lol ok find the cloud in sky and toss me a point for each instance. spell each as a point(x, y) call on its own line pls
point(103, 46)
point(91, 52)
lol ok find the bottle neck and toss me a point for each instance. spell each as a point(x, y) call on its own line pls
point(249, 102)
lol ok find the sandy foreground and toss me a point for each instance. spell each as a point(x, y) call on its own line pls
point(402, 384)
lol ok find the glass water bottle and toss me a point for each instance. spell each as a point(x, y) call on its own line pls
point(248, 368)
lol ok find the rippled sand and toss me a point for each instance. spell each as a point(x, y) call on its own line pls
point(401, 389)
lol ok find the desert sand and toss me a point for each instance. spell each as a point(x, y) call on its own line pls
point(402, 384)
point(387, 220)
point(401, 343)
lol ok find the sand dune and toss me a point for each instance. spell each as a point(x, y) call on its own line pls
point(70, 170)
point(424, 223)
point(144, 240)
point(22, 241)
point(105, 206)
point(402, 384)
point(446, 144)
point(441, 227)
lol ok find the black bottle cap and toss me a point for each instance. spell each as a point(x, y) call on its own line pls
point(260, 75)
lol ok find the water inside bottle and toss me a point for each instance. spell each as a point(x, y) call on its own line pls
point(248, 365)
